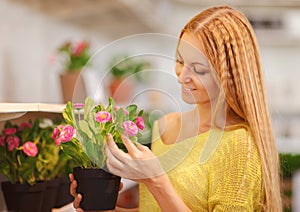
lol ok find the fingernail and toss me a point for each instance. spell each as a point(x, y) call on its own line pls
point(108, 135)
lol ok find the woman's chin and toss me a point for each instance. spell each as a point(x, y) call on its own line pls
point(189, 100)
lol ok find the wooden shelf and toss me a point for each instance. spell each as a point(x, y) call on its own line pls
point(16, 110)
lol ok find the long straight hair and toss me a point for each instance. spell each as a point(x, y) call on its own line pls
point(230, 45)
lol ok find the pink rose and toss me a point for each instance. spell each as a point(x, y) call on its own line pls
point(2, 140)
point(30, 149)
point(23, 125)
point(9, 131)
point(13, 142)
point(56, 132)
point(140, 122)
point(103, 116)
point(130, 128)
point(62, 134)
point(67, 133)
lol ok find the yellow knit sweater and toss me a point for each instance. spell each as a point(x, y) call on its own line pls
point(214, 171)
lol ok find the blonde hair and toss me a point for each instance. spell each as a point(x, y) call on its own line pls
point(230, 45)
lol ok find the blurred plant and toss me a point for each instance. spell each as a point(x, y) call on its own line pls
point(75, 55)
point(27, 152)
point(289, 163)
point(124, 66)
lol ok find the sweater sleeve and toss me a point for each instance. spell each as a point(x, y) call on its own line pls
point(235, 180)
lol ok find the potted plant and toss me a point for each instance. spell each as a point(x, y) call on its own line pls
point(28, 159)
point(123, 71)
point(74, 57)
point(84, 137)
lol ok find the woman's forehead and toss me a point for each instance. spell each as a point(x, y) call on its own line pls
point(190, 49)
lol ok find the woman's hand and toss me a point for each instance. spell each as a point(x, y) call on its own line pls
point(139, 164)
point(77, 197)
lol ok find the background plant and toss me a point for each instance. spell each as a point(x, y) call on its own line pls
point(75, 55)
point(122, 66)
point(28, 154)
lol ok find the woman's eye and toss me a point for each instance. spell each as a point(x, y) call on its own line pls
point(200, 70)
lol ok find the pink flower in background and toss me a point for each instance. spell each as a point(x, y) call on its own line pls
point(52, 59)
point(130, 128)
point(2, 140)
point(9, 131)
point(78, 105)
point(23, 125)
point(67, 133)
point(13, 142)
point(30, 149)
point(62, 134)
point(103, 117)
point(56, 132)
point(79, 48)
point(140, 122)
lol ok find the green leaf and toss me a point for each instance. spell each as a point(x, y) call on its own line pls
point(84, 127)
point(68, 114)
point(141, 113)
point(132, 110)
point(88, 107)
point(120, 116)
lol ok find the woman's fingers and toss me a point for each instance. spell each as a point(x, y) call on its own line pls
point(71, 177)
point(112, 162)
point(121, 186)
point(114, 149)
point(132, 150)
point(77, 197)
point(77, 200)
point(73, 185)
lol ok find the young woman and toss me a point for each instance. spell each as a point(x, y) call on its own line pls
point(221, 156)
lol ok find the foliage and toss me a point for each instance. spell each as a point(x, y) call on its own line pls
point(84, 136)
point(75, 56)
point(28, 154)
point(289, 164)
point(123, 66)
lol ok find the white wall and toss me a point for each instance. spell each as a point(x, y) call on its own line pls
point(28, 40)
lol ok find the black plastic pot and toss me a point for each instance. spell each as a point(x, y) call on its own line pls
point(23, 197)
point(99, 189)
point(50, 195)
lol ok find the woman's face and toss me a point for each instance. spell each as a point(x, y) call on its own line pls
point(198, 85)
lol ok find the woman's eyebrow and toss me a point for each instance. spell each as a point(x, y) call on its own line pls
point(193, 63)
point(198, 63)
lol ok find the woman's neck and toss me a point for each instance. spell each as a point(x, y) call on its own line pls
point(203, 115)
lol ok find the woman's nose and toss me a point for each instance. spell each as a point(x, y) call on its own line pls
point(184, 74)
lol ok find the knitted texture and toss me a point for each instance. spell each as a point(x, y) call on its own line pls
point(214, 171)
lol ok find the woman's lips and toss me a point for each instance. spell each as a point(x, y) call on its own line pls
point(187, 89)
